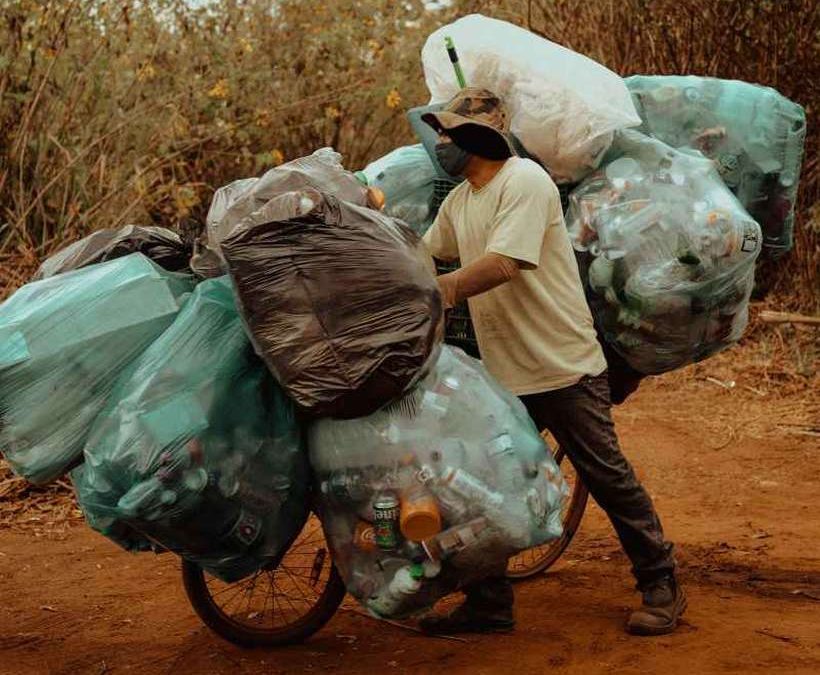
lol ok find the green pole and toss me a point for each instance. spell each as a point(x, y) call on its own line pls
point(451, 52)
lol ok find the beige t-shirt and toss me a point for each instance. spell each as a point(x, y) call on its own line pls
point(535, 332)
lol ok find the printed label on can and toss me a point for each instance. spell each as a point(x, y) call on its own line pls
point(386, 525)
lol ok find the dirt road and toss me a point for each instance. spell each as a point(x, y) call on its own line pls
point(735, 478)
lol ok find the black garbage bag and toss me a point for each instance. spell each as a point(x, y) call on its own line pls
point(161, 245)
point(341, 301)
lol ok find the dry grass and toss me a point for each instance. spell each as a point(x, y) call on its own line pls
point(137, 110)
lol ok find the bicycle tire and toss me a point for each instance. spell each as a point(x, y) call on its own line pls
point(555, 549)
point(220, 622)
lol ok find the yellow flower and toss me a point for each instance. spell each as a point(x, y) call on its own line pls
point(277, 156)
point(246, 45)
point(146, 72)
point(220, 90)
point(393, 99)
point(332, 112)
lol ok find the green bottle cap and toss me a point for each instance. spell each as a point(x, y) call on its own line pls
point(417, 571)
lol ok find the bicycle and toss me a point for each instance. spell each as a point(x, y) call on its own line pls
point(301, 591)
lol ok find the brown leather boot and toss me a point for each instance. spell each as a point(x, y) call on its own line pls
point(663, 604)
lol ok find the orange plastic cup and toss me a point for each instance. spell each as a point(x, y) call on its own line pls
point(420, 517)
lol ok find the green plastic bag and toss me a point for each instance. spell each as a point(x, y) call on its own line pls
point(754, 135)
point(407, 177)
point(63, 343)
point(199, 451)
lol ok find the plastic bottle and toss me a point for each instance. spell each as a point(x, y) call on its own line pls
point(446, 544)
point(502, 454)
point(404, 584)
point(472, 489)
point(453, 508)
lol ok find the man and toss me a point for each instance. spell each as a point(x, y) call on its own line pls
point(536, 336)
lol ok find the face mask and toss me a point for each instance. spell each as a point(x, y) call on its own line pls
point(452, 158)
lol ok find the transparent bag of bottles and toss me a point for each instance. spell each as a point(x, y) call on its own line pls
point(668, 254)
point(64, 341)
point(754, 135)
point(199, 451)
point(563, 106)
point(434, 491)
point(407, 177)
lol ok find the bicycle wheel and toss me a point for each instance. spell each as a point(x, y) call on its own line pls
point(535, 560)
point(283, 605)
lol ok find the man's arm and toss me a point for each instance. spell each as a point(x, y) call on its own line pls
point(480, 276)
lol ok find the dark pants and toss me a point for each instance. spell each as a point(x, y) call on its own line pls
point(580, 419)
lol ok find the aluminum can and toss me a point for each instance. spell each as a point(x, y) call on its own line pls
point(386, 514)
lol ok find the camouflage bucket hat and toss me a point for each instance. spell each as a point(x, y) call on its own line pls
point(469, 116)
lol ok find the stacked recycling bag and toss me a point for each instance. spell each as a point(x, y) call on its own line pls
point(340, 300)
point(754, 135)
point(439, 489)
point(564, 107)
point(199, 450)
point(321, 170)
point(163, 246)
point(406, 176)
point(668, 254)
point(64, 341)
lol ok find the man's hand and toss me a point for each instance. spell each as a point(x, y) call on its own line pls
point(448, 285)
point(480, 276)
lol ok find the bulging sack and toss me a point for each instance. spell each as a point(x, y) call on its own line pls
point(564, 106)
point(159, 244)
point(407, 177)
point(341, 301)
point(435, 491)
point(753, 134)
point(668, 254)
point(322, 171)
point(199, 451)
point(64, 341)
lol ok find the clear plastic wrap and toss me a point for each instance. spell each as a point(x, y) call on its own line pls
point(341, 301)
point(199, 450)
point(161, 245)
point(670, 254)
point(754, 135)
point(564, 106)
point(407, 177)
point(63, 343)
point(435, 491)
point(322, 171)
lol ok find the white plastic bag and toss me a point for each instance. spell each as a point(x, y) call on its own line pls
point(564, 106)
